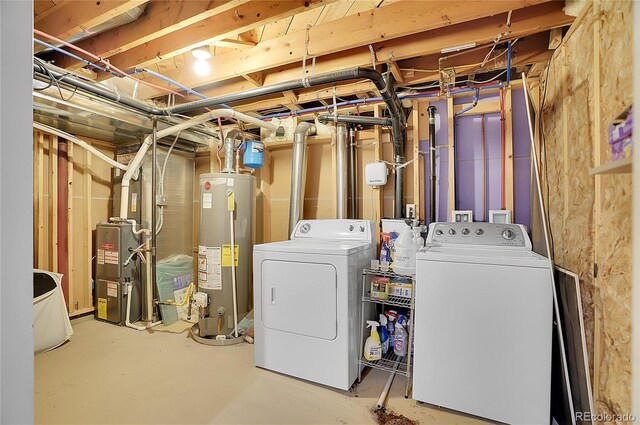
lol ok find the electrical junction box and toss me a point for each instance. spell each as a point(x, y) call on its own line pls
point(375, 173)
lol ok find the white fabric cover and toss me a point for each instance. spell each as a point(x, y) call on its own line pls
point(51, 324)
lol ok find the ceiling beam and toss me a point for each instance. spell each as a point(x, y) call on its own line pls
point(555, 38)
point(529, 50)
point(255, 78)
point(235, 44)
point(160, 18)
point(70, 18)
point(228, 24)
point(524, 21)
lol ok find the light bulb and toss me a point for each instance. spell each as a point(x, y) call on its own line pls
point(201, 67)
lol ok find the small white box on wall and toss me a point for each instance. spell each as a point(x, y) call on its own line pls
point(375, 173)
point(500, 216)
point(462, 216)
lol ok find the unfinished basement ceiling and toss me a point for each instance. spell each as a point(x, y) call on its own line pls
point(255, 43)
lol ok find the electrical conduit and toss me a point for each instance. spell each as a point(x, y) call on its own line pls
point(298, 171)
point(341, 170)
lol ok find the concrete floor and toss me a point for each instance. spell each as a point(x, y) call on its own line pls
point(107, 374)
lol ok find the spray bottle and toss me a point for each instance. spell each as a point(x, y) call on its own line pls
point(372, 347)
point(400, 340)
point(384, 334)
point(392, 315)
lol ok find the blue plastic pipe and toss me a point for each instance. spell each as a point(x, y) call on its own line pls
point(71, 55)
point(508, 63)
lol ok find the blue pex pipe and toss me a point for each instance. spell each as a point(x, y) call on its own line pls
point(508, 63)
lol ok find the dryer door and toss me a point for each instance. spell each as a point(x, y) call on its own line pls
point(300, 298)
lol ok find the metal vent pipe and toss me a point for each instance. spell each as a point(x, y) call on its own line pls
point(341, 170)
point(431, 110)
point(353, 168)
point(229, 146)
point(298, 172)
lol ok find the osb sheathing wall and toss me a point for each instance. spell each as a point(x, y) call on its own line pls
point(589, 84)
point(90, 201)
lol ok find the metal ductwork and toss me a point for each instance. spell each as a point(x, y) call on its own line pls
point(431, 110)
point(384, 85)
point(341, 170)
point(299, 171)
point(229, 147)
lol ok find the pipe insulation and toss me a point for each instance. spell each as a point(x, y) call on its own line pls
point(341, 170)
point(431, 110)
point(298, 171)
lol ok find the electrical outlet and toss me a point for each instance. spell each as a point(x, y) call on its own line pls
point(410, 211)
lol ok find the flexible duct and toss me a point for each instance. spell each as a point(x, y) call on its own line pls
point(229, 147)
point(353, 167)
point(298, 171)
point(341, 170)
point(431, 110)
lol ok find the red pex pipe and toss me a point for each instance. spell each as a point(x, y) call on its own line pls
point(99, 59)
point(63, 212)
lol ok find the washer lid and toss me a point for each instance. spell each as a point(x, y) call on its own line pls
point(317, 246)
point(503, 257)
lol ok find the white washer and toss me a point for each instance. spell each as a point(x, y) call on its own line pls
point(483, 323)
point(307, 300)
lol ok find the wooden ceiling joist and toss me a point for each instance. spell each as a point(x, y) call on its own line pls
point(228, 24)
point(160, 18)
point(69, 18)
point(527, 21)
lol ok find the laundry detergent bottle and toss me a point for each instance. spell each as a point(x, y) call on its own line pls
point(400, 340)
point(384, 334)
point(404, 260)
point(372, 346)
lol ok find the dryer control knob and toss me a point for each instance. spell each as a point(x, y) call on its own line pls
point(452, 232)
point(362, 229)
point(305, 228)
point(351, 228)
point(508, 234)
point(439, 232)
point(479, 232)
point(465, 231)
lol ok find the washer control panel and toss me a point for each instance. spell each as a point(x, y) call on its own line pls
point(484, 234)
point(356, 230)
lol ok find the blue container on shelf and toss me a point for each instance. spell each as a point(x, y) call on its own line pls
point(253, 154)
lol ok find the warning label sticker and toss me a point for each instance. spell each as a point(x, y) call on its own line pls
point(111, 257)
point(209, 267)
point(102, 308)
point(112, 289)
point(207, 200)
point(100, 256)
point(226, 255)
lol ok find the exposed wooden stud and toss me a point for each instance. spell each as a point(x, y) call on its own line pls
point(526, 21)
point(555, 38)
point(483, 107)
point(508, 151)
point(536, 70)
point(70, 18)
point(73, 304)
point(420, 122)
point(452, 165)
point(395, 70)
point(256, 78)
point(87, 228)
point(38, 191)
point(53, 202)
point(292, 100)
point(377, 156)
point(225, 25)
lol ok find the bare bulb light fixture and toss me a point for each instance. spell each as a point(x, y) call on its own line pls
point(201, 67)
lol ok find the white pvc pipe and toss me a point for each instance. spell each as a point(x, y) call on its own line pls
point(127, 320)
point(233, 275)
point(386, 389)
point(80, 143)
point(148, 141)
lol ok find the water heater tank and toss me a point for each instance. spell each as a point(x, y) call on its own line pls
point(214, 246)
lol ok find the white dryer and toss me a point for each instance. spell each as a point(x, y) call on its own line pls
point(483, 323)
point(307, 300)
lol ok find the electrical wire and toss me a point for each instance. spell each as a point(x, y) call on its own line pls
point(54, 81)
point(490, 79)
